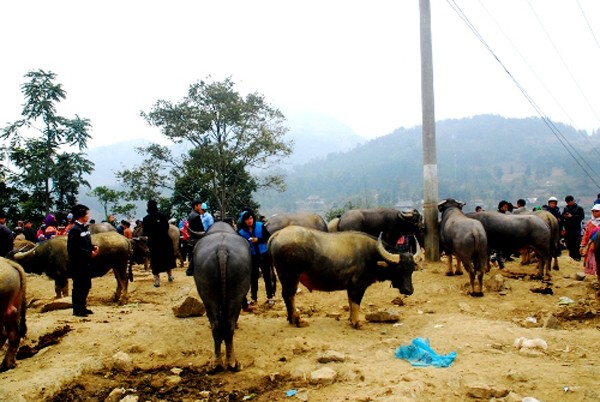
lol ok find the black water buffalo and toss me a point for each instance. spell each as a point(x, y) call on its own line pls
point(305, 219)
point(391, 222)
point(13, 306)
point(222, 276)
point(466, 239)
point(335, 261)
point(51, 258)
point(516, 232)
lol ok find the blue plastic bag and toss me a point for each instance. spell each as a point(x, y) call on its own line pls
point(420, 354)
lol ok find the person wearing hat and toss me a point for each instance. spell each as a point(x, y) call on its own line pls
point(553, 208)
point(586, 247)
point(138, 230)
point(207, 218)
point(29, 231)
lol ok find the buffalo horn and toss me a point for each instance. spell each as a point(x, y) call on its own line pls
point(407, 213)
point(386, 255)
point(23, 255)
point(419, 254)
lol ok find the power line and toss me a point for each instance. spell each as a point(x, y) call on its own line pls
point(561, 138)
point(584, 135)
point(588, 24)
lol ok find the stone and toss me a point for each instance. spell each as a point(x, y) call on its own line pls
point(121, 361)
point(479, 390)
point(552, 323)
point(58, 304)
point(323, 375)
point(331, 356)
point(383, 316)
point(189, 306)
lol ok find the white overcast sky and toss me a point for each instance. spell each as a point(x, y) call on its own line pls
point(356, 61)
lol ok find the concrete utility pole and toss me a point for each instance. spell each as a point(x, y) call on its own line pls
point(430, 177)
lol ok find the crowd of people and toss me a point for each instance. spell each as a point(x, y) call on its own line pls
point(577, 237)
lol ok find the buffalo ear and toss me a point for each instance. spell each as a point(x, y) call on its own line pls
point(382, 264)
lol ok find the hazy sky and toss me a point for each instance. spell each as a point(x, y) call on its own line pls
point(357, 61)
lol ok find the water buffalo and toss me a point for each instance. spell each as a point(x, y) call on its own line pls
point(222, 276)
point(13, 306)
point(516, 232)
point(102, 227)
point(51, 258)
point(306, 219)
point(391, 222)
point(554, 227)
point(335, 261)
point(465, 238)
point(332, 225)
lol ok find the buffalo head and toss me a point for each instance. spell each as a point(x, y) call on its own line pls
point(399, 268)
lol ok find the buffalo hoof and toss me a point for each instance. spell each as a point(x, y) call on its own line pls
point(216, 368)
point(7, 366)
point(449, 273)
point(458, 273)
point(357, 325)
point(555, 267)
point(476, 294)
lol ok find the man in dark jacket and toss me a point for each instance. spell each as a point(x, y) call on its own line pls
point(81, 251)
point(6, 236)
point(572, 216)
point(196, 231)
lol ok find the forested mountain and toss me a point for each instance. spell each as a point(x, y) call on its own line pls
point(480, 160)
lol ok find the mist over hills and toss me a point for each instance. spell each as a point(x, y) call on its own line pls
point(481, 160)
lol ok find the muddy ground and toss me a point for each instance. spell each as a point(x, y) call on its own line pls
point(141, 350)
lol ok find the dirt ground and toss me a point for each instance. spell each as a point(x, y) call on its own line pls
point(77, 358)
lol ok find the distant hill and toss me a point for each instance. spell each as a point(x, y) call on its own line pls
point(482, 159)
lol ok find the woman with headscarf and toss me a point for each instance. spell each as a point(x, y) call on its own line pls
point(162, 256)
point(257, 239)
point(587, 248)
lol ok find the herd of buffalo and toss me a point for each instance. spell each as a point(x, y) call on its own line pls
point(349, 253)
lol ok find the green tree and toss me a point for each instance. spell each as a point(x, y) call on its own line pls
point(232, 138)
point(110, 200)
point(37, 141)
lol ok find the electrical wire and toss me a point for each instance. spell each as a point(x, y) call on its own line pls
point(559, 136)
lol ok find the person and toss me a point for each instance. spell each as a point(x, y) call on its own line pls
point(521, 207)
point(29, 231)
point(553, 208)
point(257, 239)
point(6, 236)
point(162, 255)
point(112, 220)
point(207, 218)
point(69, 224)
point(479, 208)
point(126, 229)
point(572, 216)
point(81, 251)
point(497, 254)
point(586, 247)
point(597, 200)
point(503, 207)
point(51, 229)
point(138, 230)
point(196, 230)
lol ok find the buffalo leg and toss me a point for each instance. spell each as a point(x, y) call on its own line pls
point(233, 309)
point(449, 270)
point(288, 292)
point(13, 345)
point(121, 291)
point(354, 299)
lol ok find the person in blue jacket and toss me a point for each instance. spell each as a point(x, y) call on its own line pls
point(257, 238)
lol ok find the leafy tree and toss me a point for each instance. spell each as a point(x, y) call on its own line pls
point(45, 171)
point(110, 201)
point(232, 139)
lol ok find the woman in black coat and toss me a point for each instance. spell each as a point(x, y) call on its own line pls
point(162, 255)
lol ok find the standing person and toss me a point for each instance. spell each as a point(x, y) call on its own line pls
point(81, 251)
point(207, 218)
point(586, 247)
point(257, 239)
point(138, 230)
point(126, 229)
point(29, 231)
point(162, 255)
point(553, 208)
point(597, 200)
point(196, 230)
point(6, 236)
point(572, 216)
point(521, 208)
